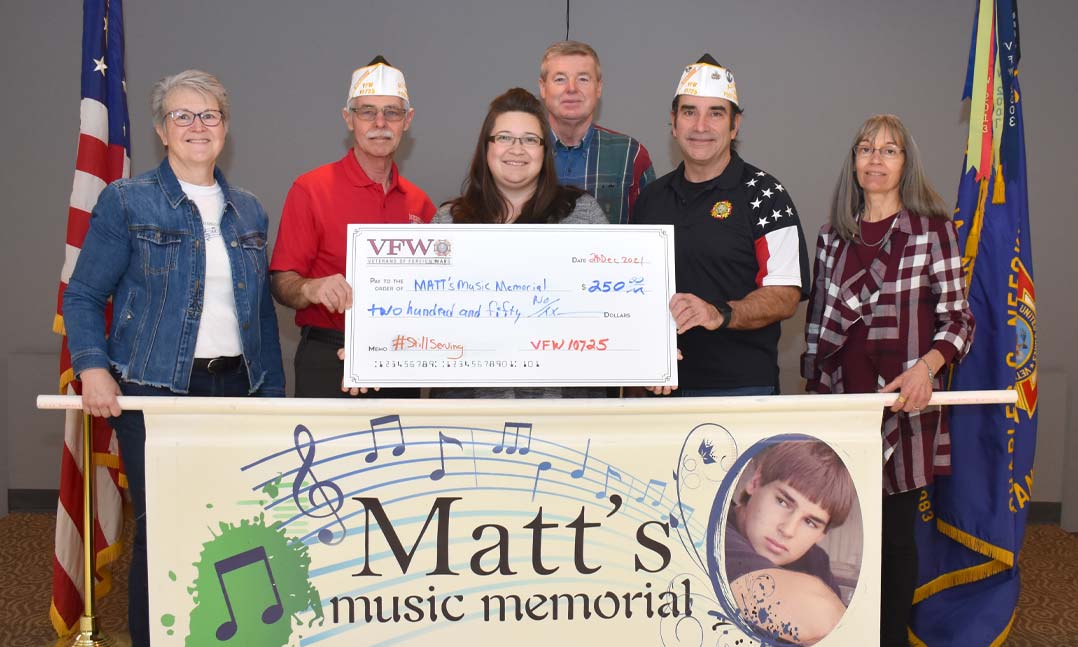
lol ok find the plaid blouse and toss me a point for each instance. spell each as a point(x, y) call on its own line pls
point(915, 279)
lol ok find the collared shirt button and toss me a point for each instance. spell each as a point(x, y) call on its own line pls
point(241, 285)
point(234, 244)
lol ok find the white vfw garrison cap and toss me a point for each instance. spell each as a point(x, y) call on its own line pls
point(706, 78)
point(378, 78)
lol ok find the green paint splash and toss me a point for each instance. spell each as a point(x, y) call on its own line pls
point(272, 488)
point(249, 587)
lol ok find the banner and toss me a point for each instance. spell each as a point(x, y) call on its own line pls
point(973, 521)
point(695, 521)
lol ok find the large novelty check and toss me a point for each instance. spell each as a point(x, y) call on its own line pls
point(521, 305)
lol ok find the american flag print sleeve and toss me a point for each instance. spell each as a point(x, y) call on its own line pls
point(777, 236)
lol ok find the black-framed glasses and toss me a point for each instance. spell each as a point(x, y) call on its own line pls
point(506, 139)
point(370, 113)
point(886, 152)
point(184, 118)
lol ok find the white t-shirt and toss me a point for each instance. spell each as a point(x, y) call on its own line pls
point(218, 328)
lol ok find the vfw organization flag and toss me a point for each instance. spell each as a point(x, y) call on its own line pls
point(972, 523)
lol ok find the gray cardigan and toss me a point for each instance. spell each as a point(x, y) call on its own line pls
point(586, 212)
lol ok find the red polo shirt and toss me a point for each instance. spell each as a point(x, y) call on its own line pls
point(312, 239)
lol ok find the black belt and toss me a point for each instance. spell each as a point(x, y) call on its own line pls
point(324, 335)
point(213, 365)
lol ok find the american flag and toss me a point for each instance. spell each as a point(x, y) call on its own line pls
point(103, 156)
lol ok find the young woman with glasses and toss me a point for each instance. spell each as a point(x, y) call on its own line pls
point(512, 180)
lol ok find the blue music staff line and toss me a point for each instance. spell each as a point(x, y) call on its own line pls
point(477, 473)
point(575, 475)
point(496, 448)
point(632, 512)
point(324, 497)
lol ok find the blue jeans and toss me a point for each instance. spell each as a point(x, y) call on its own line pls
point(714, 393)
point(131, 435)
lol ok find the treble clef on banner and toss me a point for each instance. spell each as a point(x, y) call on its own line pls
point(329, 493)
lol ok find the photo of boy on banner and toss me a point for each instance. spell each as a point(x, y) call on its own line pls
point(776, 535)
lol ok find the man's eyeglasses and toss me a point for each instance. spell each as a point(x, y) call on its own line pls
point(886, 152)
point(505, 139)
point(370, 113)
point(184, 118)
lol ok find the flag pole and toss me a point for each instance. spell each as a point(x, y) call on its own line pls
point(89, 635)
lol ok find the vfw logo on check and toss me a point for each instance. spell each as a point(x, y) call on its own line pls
point(409, 251)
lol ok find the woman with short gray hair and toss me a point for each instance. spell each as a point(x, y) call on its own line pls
point(204, 83)
point(182, 256)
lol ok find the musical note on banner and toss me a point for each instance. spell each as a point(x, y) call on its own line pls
point(610, 471)
point(385, 420)
point(331, 502)
point(273, 612)
point(658, 497)
point(437, 474)
point(674, 521)
point(577, 473)
point(516, 438)
point(541, 467)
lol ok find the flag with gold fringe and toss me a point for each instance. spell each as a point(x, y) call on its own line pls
point(972, 522)
point(103, 156)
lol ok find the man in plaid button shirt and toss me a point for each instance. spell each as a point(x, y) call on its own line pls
point(609, 165)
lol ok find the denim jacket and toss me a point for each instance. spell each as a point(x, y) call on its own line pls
point(145, 249)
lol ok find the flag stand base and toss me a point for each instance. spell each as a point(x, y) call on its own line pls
point(89, 635)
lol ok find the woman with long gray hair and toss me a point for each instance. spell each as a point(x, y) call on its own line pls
point(888, 312)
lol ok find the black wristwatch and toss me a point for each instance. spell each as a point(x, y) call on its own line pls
point(727, 313)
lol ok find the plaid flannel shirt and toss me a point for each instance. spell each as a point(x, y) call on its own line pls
point(918, 267)
point(613, 167)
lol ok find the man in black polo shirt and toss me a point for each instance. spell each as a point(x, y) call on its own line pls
point(741, 264)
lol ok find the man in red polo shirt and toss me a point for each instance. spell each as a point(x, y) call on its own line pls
point(362, 187)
